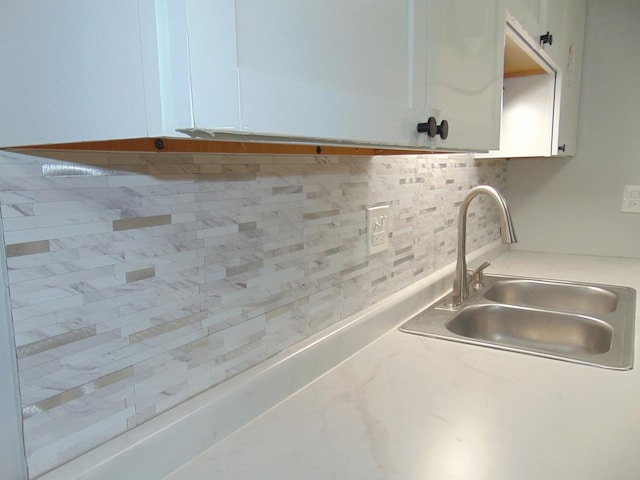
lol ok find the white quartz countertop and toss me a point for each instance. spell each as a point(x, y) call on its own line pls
point(409, 407)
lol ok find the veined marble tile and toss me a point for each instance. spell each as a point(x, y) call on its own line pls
point(55, 340)
point(144, 319)
point(77, 351)
point(169, 326)
point(60, 219)
point(40, 182)
point(242, 358)
point(17, 210)
point(229, 259)
point(8, 157)
point(142, 180)
point(76, 392)
point(29, 235)
point(71, 206)
point(54, 264)
point(218, 231)
point(140, 222)
point(224, 319)
point(27, 312)
point(82, 439)
point(175, 248)
point(33, 292)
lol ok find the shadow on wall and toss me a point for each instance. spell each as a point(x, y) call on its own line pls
point(538, 173)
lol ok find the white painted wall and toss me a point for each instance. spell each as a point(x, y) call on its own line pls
point(12, 458)
point(573, 205)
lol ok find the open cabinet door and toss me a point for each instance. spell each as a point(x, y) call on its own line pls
point(530, 99)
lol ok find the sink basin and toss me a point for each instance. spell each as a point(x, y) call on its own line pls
point(554, 295)
point(543, 330)
point(589, 324)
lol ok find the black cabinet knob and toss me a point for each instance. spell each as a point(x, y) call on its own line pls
point(562, 148)
point(443, 130)
point(431, 128)
point(546, 38)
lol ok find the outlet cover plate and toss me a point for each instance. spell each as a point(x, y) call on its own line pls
point(631, 199)
point(377, 229)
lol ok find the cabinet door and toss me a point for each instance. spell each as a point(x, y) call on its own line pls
point(531, 99)
point(465, 56)
point(532, 14)
point(332, 69)
point(72, 71)
point(564, 20)
point(568, 44)
point(212, 65)
point(553, 23)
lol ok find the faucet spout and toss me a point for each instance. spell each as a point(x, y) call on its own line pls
point(508, 234)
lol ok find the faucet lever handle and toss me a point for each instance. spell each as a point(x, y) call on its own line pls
point(476, 277)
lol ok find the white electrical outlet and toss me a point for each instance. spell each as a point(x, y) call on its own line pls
point(631, 199)
point(377, 229)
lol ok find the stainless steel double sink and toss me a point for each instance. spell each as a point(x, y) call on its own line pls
point(585, 323)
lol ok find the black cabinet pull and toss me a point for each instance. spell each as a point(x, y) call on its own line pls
point(546, 38)
point(431, 128)
point(443, 130)
point(562, 148)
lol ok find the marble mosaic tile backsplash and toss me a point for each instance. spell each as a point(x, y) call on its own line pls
point(138, 281)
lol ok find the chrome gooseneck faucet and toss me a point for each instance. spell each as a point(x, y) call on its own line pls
point(461, 280)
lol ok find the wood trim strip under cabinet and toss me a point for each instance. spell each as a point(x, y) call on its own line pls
point(179, 145)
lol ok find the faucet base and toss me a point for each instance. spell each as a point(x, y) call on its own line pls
point(448, 304)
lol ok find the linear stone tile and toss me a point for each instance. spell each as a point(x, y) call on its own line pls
point(378, 281)
point(248, 255)
point(404, 250)
point(355, 268)
point(56, 341)
point(287, 308)
point(287, 190)
point(142, 274)
point(247, 226)
point(28, 248)
point(247, 267)
point(62, 170)
point(167, 327)
point(323, 214)
point(140, 222)
point(69, 395)
point(406, 259)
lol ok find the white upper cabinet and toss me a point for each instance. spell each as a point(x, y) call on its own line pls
point(531, 14)
point(531, 98)
point(464, 78)
point(568, 46)
point(558, 28)
point(70, 71)
point(342, 71)
point(336, 71)
point(80, 71)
